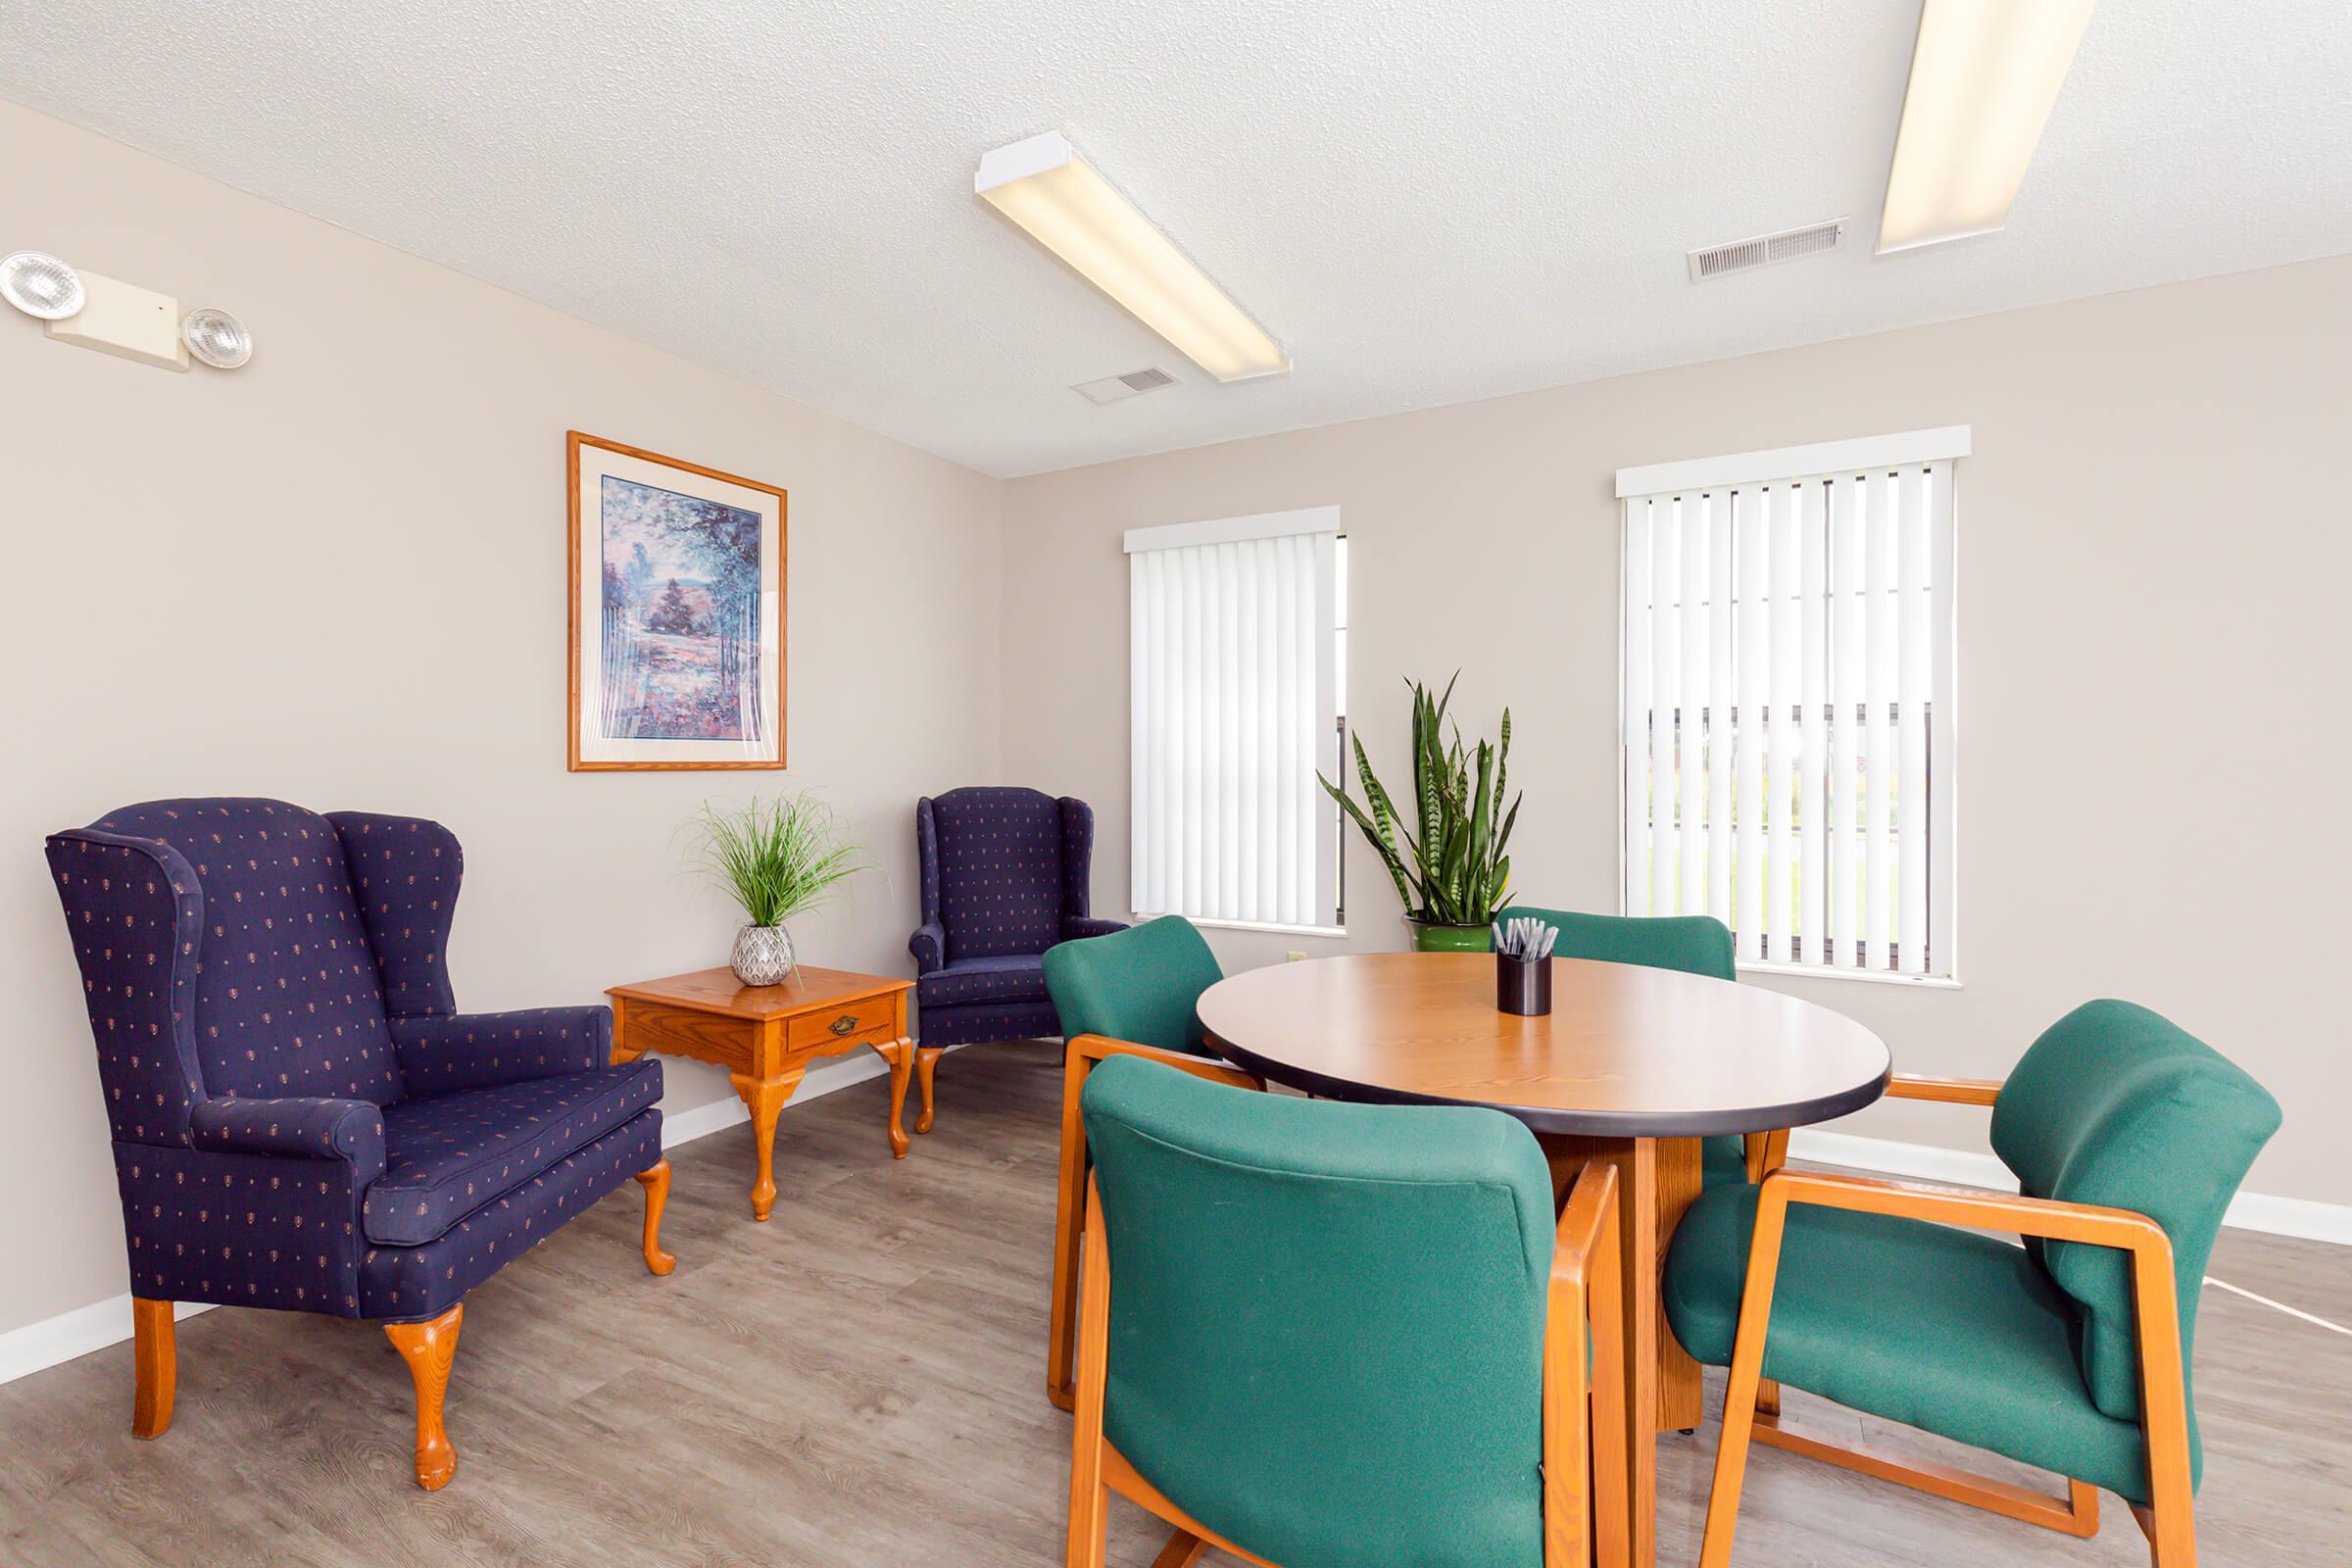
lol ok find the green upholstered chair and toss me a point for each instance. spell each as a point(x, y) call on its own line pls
point(1319, 1335)
point(2127, 1137)
point(1142, 985)
point(1695, 944)
point(1133, 993)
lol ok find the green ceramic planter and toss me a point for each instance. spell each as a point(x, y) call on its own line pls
point(1433, 936)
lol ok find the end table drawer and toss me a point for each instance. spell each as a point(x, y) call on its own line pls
point(855, 1023)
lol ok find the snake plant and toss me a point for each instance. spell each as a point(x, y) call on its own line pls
point(1447, 859)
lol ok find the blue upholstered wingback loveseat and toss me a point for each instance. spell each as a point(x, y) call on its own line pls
point(1006, 874)
point(301, 1119)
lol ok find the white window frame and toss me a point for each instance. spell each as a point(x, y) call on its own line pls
point(1329, 700)
point(1946, 446)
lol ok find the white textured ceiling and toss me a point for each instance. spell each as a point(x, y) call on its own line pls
point(1426, 203)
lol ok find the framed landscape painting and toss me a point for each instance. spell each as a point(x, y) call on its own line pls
point(677, 613)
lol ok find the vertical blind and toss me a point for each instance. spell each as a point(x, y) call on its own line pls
point(1234, 711)
point(1786, 708)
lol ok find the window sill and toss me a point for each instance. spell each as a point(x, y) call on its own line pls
point(1335, 932)
point(1883, 977)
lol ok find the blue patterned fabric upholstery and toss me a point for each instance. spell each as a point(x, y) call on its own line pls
point(1014, 977)
point(446, 1156)
point(134, 916)
point(991, 1020)
point(413, 1283)
point(999, 871)
point(443, 1054)
point(287, 1000)
point(405, 872)
point(281, 1060)
point(241, 1230)
point(1006, 874)
point(348, 1130)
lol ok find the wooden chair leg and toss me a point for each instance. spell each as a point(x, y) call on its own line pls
point(2170, 1521)
point(656, 1182)
point(1090, 1497)
point(429, 1347)
point(1069, 1218)
point(1568, 1429)
point(155, 1360)
point(1612, 1495)
point(1748, 1369)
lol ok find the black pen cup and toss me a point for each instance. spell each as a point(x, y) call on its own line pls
point(1523, 986)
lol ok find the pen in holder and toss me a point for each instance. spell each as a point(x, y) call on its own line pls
point(1523, 967)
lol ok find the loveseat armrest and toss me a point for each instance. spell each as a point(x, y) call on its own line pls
point(300, 1127)
point(443, 1054)
point(1078, 927)
point(929, 945)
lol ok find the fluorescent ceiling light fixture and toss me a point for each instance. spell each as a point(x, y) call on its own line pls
point(1045, 187)
point(1984, 76)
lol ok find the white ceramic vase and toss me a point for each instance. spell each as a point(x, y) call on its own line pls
point(763, 955)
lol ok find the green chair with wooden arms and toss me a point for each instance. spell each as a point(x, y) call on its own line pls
point(1694, 944)
point(1318, 1335)
point(1131, 993)
point(2072, 1354)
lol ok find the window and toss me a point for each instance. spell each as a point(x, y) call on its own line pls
point(1786, 666)
point(1234, 660)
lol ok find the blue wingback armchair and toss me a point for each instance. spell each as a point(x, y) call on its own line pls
point(301, 1118)
point(1006, 874)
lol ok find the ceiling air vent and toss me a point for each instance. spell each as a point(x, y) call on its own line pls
point(1118, 388)
point(1765, 249)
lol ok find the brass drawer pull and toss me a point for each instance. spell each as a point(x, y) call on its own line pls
point(845, 1024)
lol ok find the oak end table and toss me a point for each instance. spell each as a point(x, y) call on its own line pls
point(766, 1036)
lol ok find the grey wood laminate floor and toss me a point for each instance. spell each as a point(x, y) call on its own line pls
point(858, 1383)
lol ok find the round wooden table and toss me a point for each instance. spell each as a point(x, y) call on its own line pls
point(1632, 1065)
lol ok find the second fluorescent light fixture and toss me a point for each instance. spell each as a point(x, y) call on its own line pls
point(1045, 187)
point(1984, 76)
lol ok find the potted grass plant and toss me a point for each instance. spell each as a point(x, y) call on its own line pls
point(776, 860)
point(1448, 858)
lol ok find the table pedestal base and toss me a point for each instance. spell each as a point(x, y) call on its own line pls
point(1657, 1179)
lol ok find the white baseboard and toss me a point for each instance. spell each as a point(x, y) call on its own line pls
point(73, 1334)
point(69, 1335)
point(2300, 1217)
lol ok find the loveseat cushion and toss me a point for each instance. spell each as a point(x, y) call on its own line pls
point(413, 1282)
point(448, 1156)
point(1011, 977)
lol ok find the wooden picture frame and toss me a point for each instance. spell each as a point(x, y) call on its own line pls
point(677, 577)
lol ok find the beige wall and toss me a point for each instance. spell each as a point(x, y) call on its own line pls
point(2153, 563)
point(337, 576)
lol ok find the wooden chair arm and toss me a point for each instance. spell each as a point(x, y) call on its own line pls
point(1946, 1091)
point(1100, 1048)
point(1591, 1208)
point(1977, 1209)
point(1584, 1410)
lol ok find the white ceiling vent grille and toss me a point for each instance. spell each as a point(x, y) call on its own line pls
point(1118, 388)
point(1765, 249)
